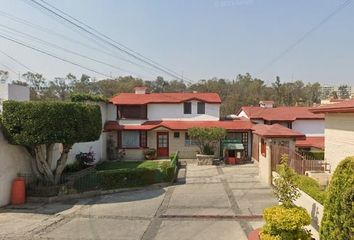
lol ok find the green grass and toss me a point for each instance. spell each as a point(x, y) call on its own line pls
point(149, 164)
point(312, 188)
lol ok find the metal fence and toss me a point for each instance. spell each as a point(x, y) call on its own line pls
point(297, 161)
point(76, 182)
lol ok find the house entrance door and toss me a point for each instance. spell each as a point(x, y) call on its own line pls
point(162, 144)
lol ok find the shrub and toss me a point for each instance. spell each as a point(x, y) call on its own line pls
point(149, 153)
point(285, 223)
point(316, 155)
point(285, 187)
point(207, 138)
point(134, 177)
point(85, 159)
point(84, 97)
point(40, 125)
point(338, 216)
point(172, 155)
point(311, 187)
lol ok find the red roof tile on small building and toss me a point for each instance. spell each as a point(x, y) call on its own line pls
point(316, 142)
point(137, 99)
point(276, 131)
point(236, 125)
point(280, 113)
point(341, 107)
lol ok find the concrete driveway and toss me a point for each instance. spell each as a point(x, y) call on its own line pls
point(215, 203)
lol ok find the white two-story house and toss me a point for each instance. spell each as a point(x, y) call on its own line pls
point(160, 121)
point(299, 119)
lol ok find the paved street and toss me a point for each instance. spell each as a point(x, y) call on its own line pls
point(214, 203)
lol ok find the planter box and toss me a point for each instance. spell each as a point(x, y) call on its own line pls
point(205, 159)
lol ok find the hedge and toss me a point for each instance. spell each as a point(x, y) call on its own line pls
point(338, 216)
point(83, 97)
point(35, 123)
point(284, 223)
point(316, 155)
point(311, 187)
point(133, 177)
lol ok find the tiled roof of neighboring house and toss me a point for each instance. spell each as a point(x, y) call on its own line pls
point(276, 131)
point(280, 113)
point(341, 107)
point(316, 142)
point(134, 99)
point(181, 125)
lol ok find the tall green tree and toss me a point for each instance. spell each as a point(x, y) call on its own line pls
point(344, 91)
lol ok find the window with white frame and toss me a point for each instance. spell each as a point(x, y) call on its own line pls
point(188, 141)
point(130, 139)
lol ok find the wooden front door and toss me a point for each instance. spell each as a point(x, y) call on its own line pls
point(162, 144)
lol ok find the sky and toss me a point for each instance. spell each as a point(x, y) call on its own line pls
point(198, 39)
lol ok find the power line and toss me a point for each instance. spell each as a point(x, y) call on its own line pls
point(306, 34)
point(16, 61)
point(49, 31)
point(66, 50)
point(5, 66)
point(104, 35)
point(54, 56)
point(103, 39)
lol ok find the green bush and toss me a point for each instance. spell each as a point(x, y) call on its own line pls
point(84, 97)
point(33, 123)
point(207, 138)
point(135, 177)
point(172, 156)
point(285, 223)
point(316, 155)
point(311, 187)
point(338, 216)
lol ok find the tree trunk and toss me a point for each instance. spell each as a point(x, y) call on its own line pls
point(61, 162)
point(42, 160)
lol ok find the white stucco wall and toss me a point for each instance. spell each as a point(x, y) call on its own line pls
point(339, 138)
point(264, 163)
point(13, 92)
point(243, 114)
point(13, 160)
point(175, 112)
point(310, 127)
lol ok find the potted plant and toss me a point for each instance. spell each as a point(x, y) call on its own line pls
point(150, 153)
point(285, 221)
point(206, 139)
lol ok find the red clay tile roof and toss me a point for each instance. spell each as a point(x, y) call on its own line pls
point(280, 113)
point(134, 99)
point(341, 107)
point(236, 125)
point(276, 131)
point(316, 142)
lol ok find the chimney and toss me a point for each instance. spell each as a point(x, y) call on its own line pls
point(140, 90)
point(266, 104)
